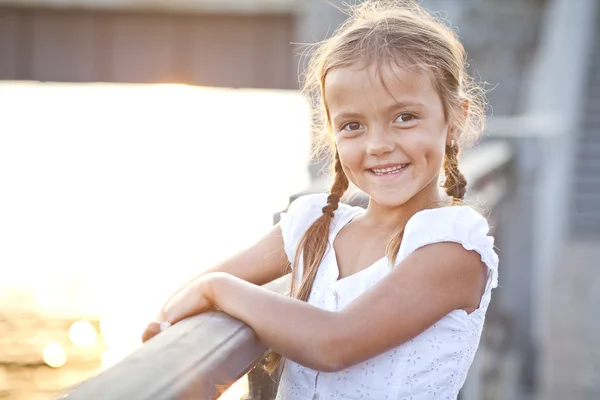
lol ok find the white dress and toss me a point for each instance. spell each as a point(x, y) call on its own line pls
point(434, 364)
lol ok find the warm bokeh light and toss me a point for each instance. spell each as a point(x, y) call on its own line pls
point(125, 188)
point(127, 191)
point(54, 355)
point(82, 333)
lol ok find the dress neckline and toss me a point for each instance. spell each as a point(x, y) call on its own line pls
point(345, 220)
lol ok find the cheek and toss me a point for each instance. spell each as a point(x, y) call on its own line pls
point(432, 144)
point(428, 151)
point(349, 155)
point(434, 158)
point(351, 158)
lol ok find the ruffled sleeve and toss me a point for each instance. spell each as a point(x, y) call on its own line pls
point(300, 215)
point(460, 224)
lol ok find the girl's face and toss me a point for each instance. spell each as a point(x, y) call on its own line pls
point(390, 131)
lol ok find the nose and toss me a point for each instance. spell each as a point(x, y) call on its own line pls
point(380, 142)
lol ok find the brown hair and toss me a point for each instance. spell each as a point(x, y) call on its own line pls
point(401, 33)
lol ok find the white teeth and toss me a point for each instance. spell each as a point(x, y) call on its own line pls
point(386, 171)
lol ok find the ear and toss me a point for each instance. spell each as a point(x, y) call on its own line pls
point(450, 140)
point(453, 132)
point(453, 135)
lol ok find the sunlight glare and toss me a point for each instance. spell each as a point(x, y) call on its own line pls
point(116, 194)
point(82, 333)
point(54, 355)
point(237, 390)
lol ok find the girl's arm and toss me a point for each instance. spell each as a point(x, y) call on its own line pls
point(260, 263)
point(423, 288)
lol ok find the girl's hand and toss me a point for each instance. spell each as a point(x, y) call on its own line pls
point(152, 330)
point(192, 300)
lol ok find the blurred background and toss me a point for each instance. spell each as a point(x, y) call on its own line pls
point(143, 140)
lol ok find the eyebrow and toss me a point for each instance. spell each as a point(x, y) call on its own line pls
point(405, 104)
point(395, 106)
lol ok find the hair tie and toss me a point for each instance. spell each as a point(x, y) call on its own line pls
point(458, 192)
point(333, 199)
point(461, 191)
point(332, 204)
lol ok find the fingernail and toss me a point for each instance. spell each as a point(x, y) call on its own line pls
point(164, 325)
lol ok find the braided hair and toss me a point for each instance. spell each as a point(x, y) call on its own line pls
point(313, 245)
point(456, 183)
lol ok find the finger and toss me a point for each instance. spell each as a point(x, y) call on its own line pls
point(164, 325)
point(152, 330)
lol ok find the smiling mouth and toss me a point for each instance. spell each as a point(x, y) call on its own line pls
point(388, 171)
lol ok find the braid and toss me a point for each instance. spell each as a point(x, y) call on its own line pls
point(456, 184)
point(338, 188)
point(314, 242)
point(312, 247)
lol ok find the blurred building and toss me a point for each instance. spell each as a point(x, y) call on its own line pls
point(209, 43)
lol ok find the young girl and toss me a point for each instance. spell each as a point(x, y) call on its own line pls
point(387, 302)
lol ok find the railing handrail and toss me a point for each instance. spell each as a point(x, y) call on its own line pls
point(201, 356)
point(486, 170)
point(198, 358)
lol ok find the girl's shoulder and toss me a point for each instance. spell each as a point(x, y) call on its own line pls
point(458, 224)
point(303, 212)
point(448, 221)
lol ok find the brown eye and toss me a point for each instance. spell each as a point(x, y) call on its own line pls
point(405, 117)
point(352, 126)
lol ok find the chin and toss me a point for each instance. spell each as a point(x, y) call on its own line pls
point(390, 200)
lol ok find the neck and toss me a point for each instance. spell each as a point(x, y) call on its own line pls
point(389, 218)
